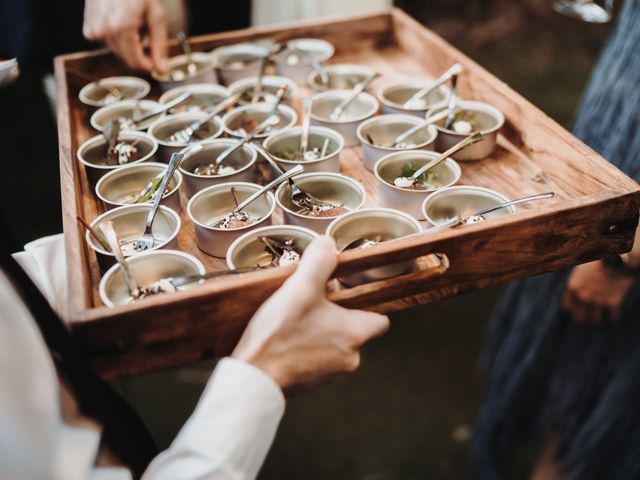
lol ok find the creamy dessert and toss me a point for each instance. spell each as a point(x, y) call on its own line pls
point(312, 153)
point(235, 220)
point(282, 253)
point(211, 169)
point(464, 122)
point(426, 181)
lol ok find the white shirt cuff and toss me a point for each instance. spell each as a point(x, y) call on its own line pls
point(231, 430)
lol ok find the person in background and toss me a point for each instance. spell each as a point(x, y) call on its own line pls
point(34, 31)
point(563, 348)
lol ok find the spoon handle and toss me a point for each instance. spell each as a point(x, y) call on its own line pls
point(324, 75)
point(282, 91)
point(529, 198)
point(269, 158)
point(93, 233)
point(298, 169)
point(112, 238)
point(453, 102)
point(270, 121)
point(167, 106)
point(186, 48)
point(188, 279)
point(176, 158)
point(257, 89)
point(470, 140)
point(432, 119)
point(445, 77)
point(339, 110)
point(452, 222)
point(306, 121)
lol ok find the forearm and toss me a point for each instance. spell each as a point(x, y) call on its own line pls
point(230, 432)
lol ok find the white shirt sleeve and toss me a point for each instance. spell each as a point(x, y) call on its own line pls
point(227, 437)
point(230, 432)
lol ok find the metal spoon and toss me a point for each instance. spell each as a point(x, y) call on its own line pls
point(299, 197)
point(112, 238)
point(359, 242)
point(317, 66)
point(479, 216)
point(147, 239)
point(453, 102)
point(298, 169)
point(355, 92)
point(182, 280)
point(258, 87)
point(185, 135)
point(415, 129)
point(445, 77)
point(408, 182)
point(192, 67)
point(97, 237)
point(167, 106)
point(111, 132)
point(269, 122)
point(282, 92)
point(452, 222)
point(145, 191)
point(306, 121)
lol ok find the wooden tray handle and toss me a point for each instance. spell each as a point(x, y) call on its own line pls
point(362, 296)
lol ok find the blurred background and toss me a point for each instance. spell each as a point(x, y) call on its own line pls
point(409, 412)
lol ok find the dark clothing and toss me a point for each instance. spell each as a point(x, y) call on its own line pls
point(35, 31)
point(548, 374)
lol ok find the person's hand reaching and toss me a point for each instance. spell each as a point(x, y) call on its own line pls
point(594, 294)
point(122, 25)
point(298, 337)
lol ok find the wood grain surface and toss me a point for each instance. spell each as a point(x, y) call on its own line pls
point(594, 213)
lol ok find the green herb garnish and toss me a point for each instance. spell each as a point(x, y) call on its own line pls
point(155, 184)
point(427, 180)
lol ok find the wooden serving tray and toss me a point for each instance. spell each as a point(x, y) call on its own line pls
point(594, 213)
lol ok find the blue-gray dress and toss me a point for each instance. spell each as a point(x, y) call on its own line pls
point(547, 373)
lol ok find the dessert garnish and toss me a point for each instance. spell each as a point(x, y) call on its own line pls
point(267, 95)
point(421, 178)
point(363, 243)
point(416, 104)
point(464, 122)
point(426, 181)
point(236, 63)
point(205, 131)
point(212, 169)
point(325, 212)
point(344, 82)
point(235, 220)
point(246, 124)
point(401, 145)
point(151, 193)
point(123, 153)
point(313, 153)
point(118, 153)
point(283, 253)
